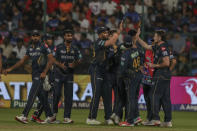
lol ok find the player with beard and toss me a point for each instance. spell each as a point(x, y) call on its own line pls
point(47, 85)
point(98, 70)
point(36, 52)
point(67, 58)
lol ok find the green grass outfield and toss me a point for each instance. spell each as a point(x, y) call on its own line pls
point(182, 121)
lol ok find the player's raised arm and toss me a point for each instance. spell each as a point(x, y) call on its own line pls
point(141, 42)
point(112, 40)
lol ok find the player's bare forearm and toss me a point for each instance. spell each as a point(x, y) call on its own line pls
point(165, 63)
point(144, 44)
point(61, 65)
point(49, 63)
point(173, 64)
point(19, 63)
point(115, 36)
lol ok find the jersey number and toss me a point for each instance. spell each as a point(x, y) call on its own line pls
point(136, 63)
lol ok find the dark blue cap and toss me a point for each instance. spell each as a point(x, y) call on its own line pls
point(36, 32)
point(102, 29)
point(48, 36)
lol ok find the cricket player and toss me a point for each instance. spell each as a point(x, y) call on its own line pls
point(160, 93)
point(120, 92)
point(48, 80)
point(130, 69)
point(98, 75)
point(37, 51)
point(68, 56)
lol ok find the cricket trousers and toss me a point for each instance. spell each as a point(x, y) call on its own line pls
point(100, 88)
point(121, 99)
point(37, 90)
point(65, 81)
point(112, 84)
point(160, 95)
point(40, 107)
point(46, 94)
point(132, 86)
point(146, 90)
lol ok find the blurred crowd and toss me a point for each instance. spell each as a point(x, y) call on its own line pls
point(178, 17)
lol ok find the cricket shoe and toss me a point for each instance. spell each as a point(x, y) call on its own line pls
point(92, 122)
point(67, 121)
point(49, 120)
point(137, 120)
point(22, 119)
point(115, 119)
point(36, 119)
point(153, 123)
point(166, 124)
point(145, 122)
point(109, 122)
point(126, 124)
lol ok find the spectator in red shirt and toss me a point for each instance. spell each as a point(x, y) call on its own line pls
point(65, 6)
point(52, 5)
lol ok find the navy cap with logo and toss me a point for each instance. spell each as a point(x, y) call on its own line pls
point(102, 29)
point(48, 36)
point(35, 33)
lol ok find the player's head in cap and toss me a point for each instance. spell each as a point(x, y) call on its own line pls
point(48, 36)
point(127, 41)
point(68, 35)
point(103, 32)
point(35, 36)
point(35, 33)
point(49, 39)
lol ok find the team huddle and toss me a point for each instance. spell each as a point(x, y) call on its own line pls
point(122, 67)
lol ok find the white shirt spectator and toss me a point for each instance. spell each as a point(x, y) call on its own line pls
point(20, 52)
point(84, 24)
point(149, 3)
point(58, 40)
point(95, 7)
point(170, 4)
point(139, 7)
point(110, 7)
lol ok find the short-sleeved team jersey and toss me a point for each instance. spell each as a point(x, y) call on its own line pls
point(67, 55)
point(38, 54)
point(160, 52)
point(99, 53)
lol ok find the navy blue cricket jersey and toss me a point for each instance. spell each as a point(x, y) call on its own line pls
point(35, 52)
point(67, 55)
